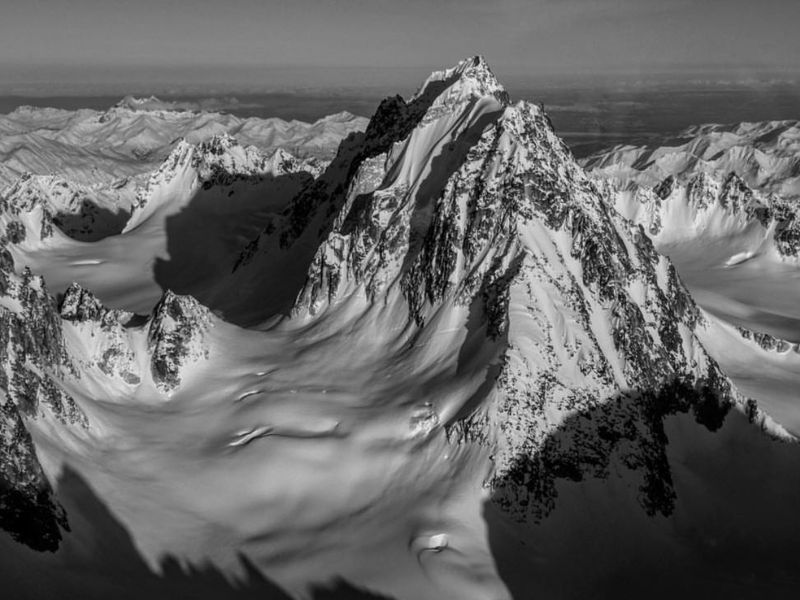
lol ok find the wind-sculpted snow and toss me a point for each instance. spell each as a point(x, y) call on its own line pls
point(440, 331)
point(40, 365)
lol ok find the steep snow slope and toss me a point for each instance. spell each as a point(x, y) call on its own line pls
point(458, 347)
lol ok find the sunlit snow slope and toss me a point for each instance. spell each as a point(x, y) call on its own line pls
point(422, 371)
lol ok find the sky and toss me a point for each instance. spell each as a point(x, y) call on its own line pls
point(219, 40)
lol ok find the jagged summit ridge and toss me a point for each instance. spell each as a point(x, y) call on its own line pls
point(472, 78)
point(459, 202)
point(458, 101)
point(456, 222)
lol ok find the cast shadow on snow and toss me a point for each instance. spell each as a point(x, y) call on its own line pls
point(98, 560)
point(649, 501)
point(282, 275)
point(92, 223)
point(206, 236)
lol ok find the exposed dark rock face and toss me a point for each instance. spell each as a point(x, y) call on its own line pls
point(768, 342)
point(628, 430)
point(28, 509)
point(34, 363)
point(175, 337)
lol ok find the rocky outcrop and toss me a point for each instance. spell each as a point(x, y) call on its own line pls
point(768, 342)
point(175, 338)
point(110, 346)
point(25, 213)
point(34, 363)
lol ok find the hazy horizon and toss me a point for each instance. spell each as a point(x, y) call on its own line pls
point(198, 81)
point(608, 70)
point(93, 46)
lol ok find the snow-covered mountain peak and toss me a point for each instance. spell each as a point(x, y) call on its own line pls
point(472, 78)
point(449, 91)
point(28, 207)
point(222, 155)
point(482, 210)
point(453, 219)
point(175, 334)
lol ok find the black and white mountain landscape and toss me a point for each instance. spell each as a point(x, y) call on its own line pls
point(421, 355)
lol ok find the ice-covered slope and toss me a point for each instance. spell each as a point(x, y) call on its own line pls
point(459, 348)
